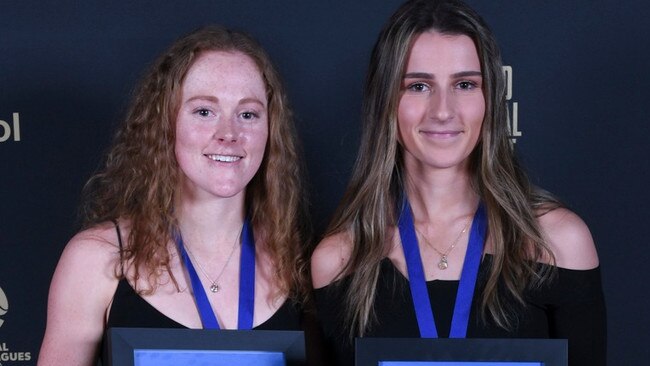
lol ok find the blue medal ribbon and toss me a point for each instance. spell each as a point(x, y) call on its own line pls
point(246, 283)
point(246, 279)
point(417, 282)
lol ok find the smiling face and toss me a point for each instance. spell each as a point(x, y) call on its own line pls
point(222, 125)
point(442, 106)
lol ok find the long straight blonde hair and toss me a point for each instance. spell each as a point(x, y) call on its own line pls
point(368, 207)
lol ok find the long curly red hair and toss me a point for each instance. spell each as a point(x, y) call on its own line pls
point(141, 175)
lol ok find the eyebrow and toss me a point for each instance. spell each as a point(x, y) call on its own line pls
point(252, 100)
point(426, 75)
point(214, 99)
point(202, 97)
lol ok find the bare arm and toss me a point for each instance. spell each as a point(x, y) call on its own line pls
point(80, 293)
point(578, 313)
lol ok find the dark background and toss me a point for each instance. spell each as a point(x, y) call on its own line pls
point(580, 82)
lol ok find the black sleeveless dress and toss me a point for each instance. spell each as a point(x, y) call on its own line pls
point(129, 310)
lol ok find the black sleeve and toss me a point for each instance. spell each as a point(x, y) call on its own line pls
point(317, 350)
point(338, 349)
point(579, 316)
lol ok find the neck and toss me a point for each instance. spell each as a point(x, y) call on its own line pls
point(440, 194)
point(210, 226)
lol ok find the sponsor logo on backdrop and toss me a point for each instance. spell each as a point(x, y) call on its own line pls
point(6, 354)
point(4, 305)
point(10, 131)
point(513, 107)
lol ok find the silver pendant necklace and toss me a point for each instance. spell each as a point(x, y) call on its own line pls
point(214, 284)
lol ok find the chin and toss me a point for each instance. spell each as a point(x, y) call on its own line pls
point(208, 193)
point(229, 192)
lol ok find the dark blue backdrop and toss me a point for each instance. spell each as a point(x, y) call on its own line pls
point(580, 88)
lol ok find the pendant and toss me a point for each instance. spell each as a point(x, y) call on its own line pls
point(443, 263)
point(214, 288)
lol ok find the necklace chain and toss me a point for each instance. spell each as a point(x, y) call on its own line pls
point(214, 287)
point(444, 263)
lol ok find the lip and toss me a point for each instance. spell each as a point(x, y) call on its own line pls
point(224, 158)
point(443, 134)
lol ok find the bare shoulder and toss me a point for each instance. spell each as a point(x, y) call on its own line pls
point(88, 259)
point(569, 238)
point(90, 247)
point(80, 293)
point(330, 258)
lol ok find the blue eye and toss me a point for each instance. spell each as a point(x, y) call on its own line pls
point(203, 112)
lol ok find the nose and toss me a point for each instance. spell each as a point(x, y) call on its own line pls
point(441, 105)
point(226, 131)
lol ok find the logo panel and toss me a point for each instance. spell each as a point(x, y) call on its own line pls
point(4, 305)
point(512, 106)
point(10, 132)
